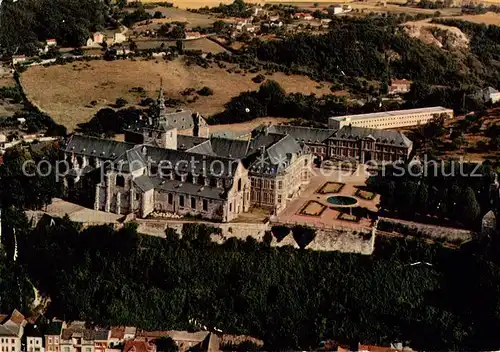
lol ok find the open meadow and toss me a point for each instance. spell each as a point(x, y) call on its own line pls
point(486, 18)
point(66, 91)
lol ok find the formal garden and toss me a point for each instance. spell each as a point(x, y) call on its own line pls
point(330, 187)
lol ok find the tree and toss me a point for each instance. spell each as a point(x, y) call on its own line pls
point(178, 32)
point(206, 91)
point(303, 235)
point(132, 45)
point(280, 232)
point(166, 344)
point(158, 14)
point(468, 207)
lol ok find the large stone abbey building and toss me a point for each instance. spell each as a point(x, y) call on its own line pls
point(167, 164)
point(170, 164)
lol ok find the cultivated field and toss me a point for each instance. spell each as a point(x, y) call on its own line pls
point(180, 15)
point(65, 91)
point(7, 81)
point(302, 3)
point(487, 18)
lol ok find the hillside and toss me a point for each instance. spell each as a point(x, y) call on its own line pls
point(66, 91)
point(446, 37)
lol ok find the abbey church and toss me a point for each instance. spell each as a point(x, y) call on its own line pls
point(169, 163)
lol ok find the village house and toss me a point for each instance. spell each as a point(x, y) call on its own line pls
point(303, 16)
point(119, 38)
point(120, 334)
point(11, 331)
point(399, 86)
point(52, 335)
point(18, 59)
point(76, 337)
point(489, 95)
point(96, 40)
point(192, 35)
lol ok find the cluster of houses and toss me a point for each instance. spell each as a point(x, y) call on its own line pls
point(20, 334)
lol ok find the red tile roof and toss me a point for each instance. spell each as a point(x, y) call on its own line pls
point(117, 332)
point(400, 81)
point(17, 317)
point(372, 348)
point(138, 346)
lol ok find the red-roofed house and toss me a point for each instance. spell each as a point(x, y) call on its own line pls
point(193, 35)
point(51, 42)
point(399, 86)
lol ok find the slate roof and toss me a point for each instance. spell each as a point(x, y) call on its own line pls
point(188, 142)
point(278, 156)
point(92, 146)
point(203, 148)
point(303, 134)
point(381, 136)
point(6, 331)
point(188, 188)
point(144, 183)
point(182, 120)
point(132, 160)
point(263, 140)
point(229, 148)
point(191, 163)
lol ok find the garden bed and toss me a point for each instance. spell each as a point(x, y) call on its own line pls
point(366, 195)
point(348, 217)
point(312, 208)
point(330, 187)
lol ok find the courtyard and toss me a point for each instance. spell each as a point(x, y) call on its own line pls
point(334, 198)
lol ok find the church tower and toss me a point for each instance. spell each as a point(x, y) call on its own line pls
point(161, 108)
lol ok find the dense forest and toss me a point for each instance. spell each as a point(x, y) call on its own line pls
point(290, 298)
point(378, 48)
point(27, 22)
point(436, 192)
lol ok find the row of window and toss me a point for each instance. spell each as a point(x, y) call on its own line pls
point(7, 340)
point(264, 183)
point(193, 203)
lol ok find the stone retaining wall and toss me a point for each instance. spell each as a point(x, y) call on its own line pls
point(432, 231)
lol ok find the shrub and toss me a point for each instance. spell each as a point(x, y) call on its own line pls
point(280, 232)
point(303, 235)
point(206, 91)
point(259, 78)
point(120, 102)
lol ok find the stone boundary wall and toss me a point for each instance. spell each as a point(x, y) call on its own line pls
point(344, 240)
point(432, 231)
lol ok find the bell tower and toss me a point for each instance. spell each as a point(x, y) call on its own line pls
point(161, 109)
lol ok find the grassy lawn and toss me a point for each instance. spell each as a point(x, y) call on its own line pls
point(65, 91)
